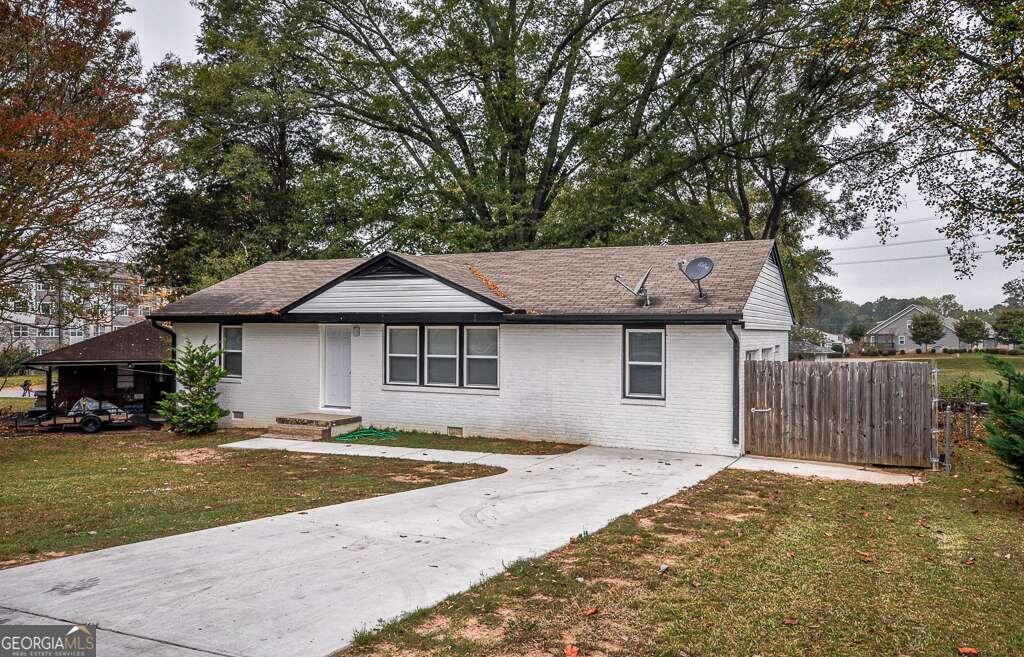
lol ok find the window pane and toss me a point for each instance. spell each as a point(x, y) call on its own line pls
point(645, 380)
point(403, 369)
point(443, 342)
point(232, 339)
point(482, 342)
point(645, 347)
point(233, 363)
point(403, 341)
point(481, 372)
point(442, 370)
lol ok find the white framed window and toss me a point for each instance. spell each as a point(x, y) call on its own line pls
point(481, 360)
point(231, 348)
point(117, 288)
point(442, 352)
point(403, 355)
point(22, 331)
point(75, 332)
point(645, 363)
point(752, 354)
point(41, 286)
point(766, 353)
point(902, 340)
point(778, 352)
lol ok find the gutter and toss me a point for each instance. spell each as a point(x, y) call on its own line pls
point(735, 382)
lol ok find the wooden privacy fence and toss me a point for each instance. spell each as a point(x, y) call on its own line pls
point(879, 412)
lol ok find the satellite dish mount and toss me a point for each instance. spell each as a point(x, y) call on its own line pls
point(697, 270)
point(639, 291)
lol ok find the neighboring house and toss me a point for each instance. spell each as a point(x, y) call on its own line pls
point(839, 339)
point(529, 344)
point(807, 350)
point(122, 298)
point(894, 333)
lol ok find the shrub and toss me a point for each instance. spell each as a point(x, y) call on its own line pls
point(918, 350)
point(193, 408)
point(1005, 421)
point(964, 389)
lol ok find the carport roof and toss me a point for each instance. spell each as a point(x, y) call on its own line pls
point(141, 342)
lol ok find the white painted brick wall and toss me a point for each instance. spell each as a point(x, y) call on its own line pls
point(557, 383)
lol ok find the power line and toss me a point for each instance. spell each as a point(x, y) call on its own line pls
point(898, 223)
point(908, 242)
point(927, 257)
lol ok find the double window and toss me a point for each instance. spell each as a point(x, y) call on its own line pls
point(645, 363)
point(231, 350)
point(448, 356)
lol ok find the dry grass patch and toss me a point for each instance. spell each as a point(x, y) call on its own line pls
point(765, 564)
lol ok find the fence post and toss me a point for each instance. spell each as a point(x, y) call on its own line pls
point(949, 440)
point(970, 421)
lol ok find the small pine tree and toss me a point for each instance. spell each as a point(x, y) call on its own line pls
point(193, 409)
point(1005, 423)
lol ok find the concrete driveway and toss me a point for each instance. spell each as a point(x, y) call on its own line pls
point(302, 584)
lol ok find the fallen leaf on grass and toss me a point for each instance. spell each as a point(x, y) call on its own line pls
point(572, 651)
point(726, 542)
point(790, 554)
point(591, 611)
point(969, 562)
point(789, 620)
point(865, 556)
point(966, 650)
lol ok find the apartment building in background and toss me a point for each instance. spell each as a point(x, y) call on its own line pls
point(118, 299)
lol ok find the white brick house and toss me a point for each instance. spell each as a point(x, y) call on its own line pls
point(530, 344)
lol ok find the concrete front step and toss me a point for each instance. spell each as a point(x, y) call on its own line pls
point(314, 426)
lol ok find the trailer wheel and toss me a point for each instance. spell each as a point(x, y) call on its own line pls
point(91, 424)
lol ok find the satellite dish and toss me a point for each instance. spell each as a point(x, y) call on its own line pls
point(640, 289)
point(697, 270)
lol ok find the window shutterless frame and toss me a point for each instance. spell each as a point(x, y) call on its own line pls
point(229, 350)
point(470, 358)
point(632, 360)
point(436, 354)
point(392, 353)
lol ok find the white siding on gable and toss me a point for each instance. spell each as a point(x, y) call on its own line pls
point(393, 295)
point(767, 307)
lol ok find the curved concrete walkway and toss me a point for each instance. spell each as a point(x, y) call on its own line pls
point(302, 584)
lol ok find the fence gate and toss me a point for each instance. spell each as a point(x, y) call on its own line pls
point(879, 412)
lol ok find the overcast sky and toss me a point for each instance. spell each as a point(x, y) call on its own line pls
point(166, 26)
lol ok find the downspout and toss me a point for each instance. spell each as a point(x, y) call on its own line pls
point(735, 382)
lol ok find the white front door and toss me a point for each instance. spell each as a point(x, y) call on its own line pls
point(337, 366)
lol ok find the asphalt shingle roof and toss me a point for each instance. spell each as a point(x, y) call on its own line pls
point(548, 282)
point(140, 342)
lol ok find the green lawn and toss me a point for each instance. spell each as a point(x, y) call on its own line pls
point(760, 564)
point(67, 493)
point(470, 444)
point(954, 366)
point(15, 404)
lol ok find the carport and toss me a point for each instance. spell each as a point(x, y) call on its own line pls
point(124, 367)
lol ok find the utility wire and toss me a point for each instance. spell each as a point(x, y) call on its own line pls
point(908, 242)
point(927, 257)
point(899, 223)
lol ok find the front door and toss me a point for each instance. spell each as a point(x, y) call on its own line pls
point(337, 366)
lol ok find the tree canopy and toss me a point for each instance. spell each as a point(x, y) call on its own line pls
point(71, 161)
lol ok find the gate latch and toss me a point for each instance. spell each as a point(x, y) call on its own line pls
point(760, 410)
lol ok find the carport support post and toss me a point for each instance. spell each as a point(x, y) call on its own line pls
point(949, 439)
point(49, 388)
